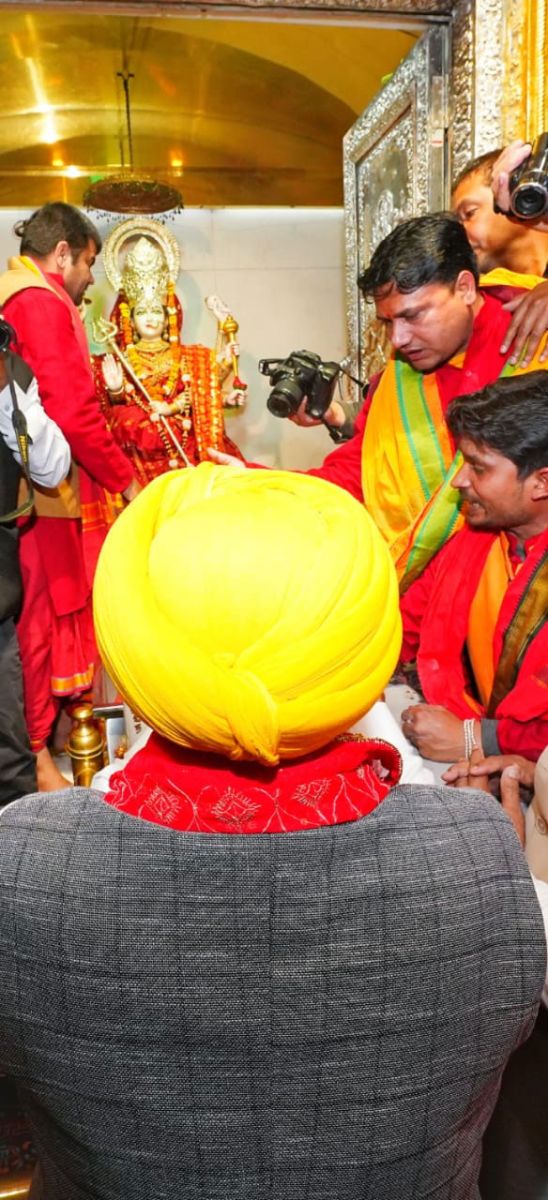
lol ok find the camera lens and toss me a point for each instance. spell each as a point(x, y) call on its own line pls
point(285, 398)
point(529, 200)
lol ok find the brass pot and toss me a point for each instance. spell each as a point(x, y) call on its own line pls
point(86, 745)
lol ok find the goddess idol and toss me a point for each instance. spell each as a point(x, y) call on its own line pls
point(163, 400)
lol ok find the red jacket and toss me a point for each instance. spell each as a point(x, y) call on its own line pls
point(46, 341)
point(50, 342)
point(435, 613)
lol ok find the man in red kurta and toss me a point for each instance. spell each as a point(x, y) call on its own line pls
point(462, 372)
point(476, 620)
point(446, 336)
point(39, 294)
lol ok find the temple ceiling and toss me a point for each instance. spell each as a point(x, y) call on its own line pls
point(230, 111)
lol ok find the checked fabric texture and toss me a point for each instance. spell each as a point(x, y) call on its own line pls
point(307, 1016)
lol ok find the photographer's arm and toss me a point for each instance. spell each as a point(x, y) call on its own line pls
point(49, 452)
point(344, 465)
point(530, 310)
point(340, 426)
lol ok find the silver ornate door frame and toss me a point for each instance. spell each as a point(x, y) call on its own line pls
point(395, 166)
point(477, 47)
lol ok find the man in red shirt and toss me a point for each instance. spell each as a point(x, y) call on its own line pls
point(39, 294)
point(446, 336)
point(476, 620)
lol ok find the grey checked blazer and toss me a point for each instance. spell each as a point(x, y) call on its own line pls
point(308, 1016)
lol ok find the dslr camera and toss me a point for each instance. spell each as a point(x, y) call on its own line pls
point(528, 184)
point(301, 374)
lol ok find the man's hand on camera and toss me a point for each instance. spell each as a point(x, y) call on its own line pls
point(225, 460)
point(512, 156)
point(507, 162)
point(334, 416)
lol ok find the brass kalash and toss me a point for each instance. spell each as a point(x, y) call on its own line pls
point(86, 746)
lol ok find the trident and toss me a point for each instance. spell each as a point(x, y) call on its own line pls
point(104, 333)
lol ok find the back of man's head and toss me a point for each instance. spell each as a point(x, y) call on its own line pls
point(272, 642)
point(497, 241)
point(510, 416)
point(481, 166)
point(429, 249)
point(54, 223)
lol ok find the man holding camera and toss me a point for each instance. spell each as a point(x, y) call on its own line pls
point(446, 337)
point(510, 160)
point(39, 294)
point(48, 464)
point(512, 253)
point(498, 241)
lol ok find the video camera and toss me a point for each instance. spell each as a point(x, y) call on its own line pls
point(7, 335)
point(301, 374)
point(528, 184)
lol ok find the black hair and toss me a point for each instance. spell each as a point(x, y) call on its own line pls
point(54, 223)
point(429, 249)
point(510, 416)
point(482, 166)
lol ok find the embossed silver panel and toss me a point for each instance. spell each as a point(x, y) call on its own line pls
point(394, 167)
point(173, 7)
point(461, 88)
point(489, 75)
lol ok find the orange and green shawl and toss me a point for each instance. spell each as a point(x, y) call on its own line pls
point(407, 467)
point(408, 462)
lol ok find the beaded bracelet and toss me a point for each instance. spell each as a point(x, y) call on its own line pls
point(470, 742)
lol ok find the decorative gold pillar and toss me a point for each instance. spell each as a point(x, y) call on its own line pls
point(536, 55)
point(524, 107)
point(500, 53)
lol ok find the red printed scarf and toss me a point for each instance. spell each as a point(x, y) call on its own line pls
point(202, 793)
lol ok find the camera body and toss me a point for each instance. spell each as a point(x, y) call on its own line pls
point(7, 335)
point(301, 374)
point(528, 184)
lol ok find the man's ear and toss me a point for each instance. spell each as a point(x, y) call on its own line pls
point(466, 286)
point(62, 253)
point(539, 490)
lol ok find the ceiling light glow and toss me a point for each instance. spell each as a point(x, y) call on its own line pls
point(49, 132)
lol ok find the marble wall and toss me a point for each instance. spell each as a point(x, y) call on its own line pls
point(281, 273)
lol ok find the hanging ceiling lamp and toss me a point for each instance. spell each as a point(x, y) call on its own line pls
point(128, 191)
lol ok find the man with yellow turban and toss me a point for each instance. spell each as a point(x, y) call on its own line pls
point(254, 968)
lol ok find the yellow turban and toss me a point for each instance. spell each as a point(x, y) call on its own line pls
point(250, 613)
